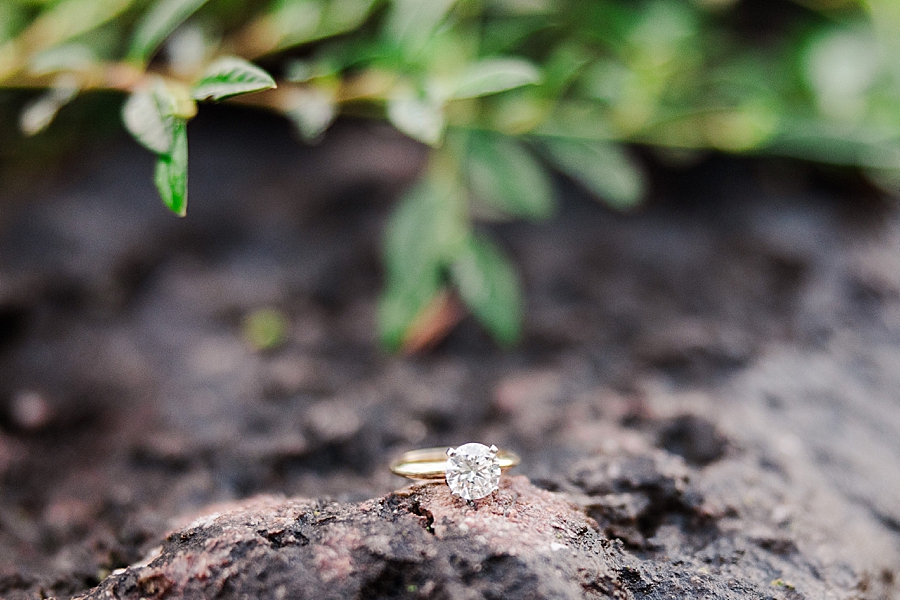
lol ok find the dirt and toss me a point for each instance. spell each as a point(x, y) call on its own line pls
point(712, 382)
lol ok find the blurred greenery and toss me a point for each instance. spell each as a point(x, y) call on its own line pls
point(504, 92)
point(265, 328)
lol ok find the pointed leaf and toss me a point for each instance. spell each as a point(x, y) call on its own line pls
point(401, 304)
point(564, 65)
point(505, 175)
point(38, 115)
point(171, 171)
point(231, 76)
point(413, 261)
point(67, 19)
point(299, 71)
point(493, 75)
point(421, 231)
point(68, 57)
point(420, 237)
point(488, 284)
point(188, 49)
point(313, 110)
point(344, 15)
point(327, 66)
point(12, 18)
point(418, 117)
point(157, 24)
point(411, 23)
point(148, 116)
point(603, 168)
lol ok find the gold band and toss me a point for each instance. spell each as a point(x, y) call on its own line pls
point(430, 463)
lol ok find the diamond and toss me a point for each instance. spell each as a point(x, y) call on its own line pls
point(473, 470)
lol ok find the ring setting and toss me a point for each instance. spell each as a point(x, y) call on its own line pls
point(472, 471)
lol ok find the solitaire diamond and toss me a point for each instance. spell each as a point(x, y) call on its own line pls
point(473, 470)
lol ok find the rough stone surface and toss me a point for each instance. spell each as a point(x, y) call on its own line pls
point(522, 542)
point(713, 381)
point(419, 543)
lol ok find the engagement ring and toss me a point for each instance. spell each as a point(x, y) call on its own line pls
point(472, 471)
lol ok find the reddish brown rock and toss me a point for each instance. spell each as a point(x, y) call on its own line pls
point(521, 542)
point(421, 542)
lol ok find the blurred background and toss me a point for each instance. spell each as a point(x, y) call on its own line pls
point(567, 227)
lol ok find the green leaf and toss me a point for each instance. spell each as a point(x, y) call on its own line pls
point(400, 304)
point(414, 258)
point(38, 115)
point(231, 76)
point(421, 232)
point(603, 168)
point(313, 110)
point(149, 116)
point(67, 57)
point(872, 148)
point(420, 238)
point(158, 23)
point(508, 177)
point(564, 65)
point(518, 111)
point(293, 22)
point(171, 171)
point(416, 115)
point(299, 71)
point(345, 15)
point(488, 284)
point(325, 66)
point(12, 19)
point(266, 328)
point(493, 75)
point(70, 18)
point(411, 23)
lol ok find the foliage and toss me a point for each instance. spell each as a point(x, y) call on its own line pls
point(505, 92)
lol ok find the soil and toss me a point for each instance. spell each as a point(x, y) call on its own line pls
point(714, 382)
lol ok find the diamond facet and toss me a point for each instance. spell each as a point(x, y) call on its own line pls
point(473, 470)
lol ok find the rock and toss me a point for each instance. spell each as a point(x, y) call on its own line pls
point(693, 438)
point(521, 542)
point(419, 542)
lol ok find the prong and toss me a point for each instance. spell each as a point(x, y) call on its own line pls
point(451, 451)
point(494, 449)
